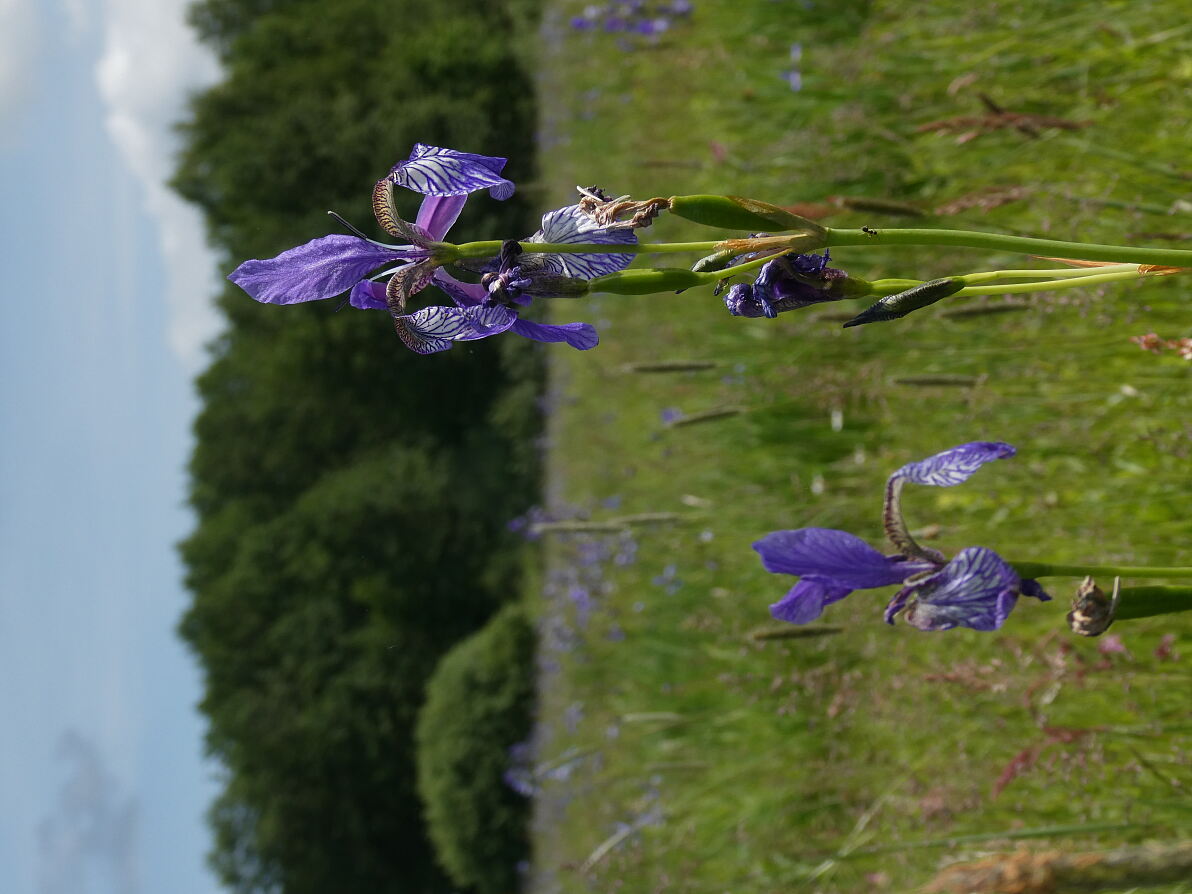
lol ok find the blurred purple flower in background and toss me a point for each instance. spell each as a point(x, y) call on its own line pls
point(633, 18)
point(793, 75)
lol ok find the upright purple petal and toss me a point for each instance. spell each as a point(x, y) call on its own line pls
point(319, 269)
point(437, 214)
point(954, 465)
point(464, 294)
point(434, 171)
point(805, 602)
point(833, 557)
point(976, 589)
point(581, 336)
point(434, 329)
point(570, 225)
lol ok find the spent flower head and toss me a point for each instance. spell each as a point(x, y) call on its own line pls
point(789, 282)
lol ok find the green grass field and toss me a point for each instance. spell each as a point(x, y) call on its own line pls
point(676, 751)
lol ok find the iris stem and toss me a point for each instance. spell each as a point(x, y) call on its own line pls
point(1046, 280)
point(492, 248)
point(1085, 251)
point(1047, 285)
point(1054, 569)
point(976, 279)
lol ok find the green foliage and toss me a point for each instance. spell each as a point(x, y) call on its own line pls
point(352, 497)
point(859, 760)
point(478, 704)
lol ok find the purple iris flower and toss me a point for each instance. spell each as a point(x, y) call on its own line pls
point(330, 265)
point(511, 280)
point(976, 589)
point(787, 283)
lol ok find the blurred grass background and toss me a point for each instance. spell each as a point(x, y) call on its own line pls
point(674, 751)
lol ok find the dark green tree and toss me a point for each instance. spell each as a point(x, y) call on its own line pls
point(479, 703)
point(351, 496)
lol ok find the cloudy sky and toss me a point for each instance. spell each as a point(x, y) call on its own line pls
point(106, 286)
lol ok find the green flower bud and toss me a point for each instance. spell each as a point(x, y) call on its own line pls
point(894, 306)
point(736, 213)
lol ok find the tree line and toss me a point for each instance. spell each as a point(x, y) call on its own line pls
point(351, 497)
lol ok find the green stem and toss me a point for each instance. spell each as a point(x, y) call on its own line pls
point(1049, 285)
point(492, 248)
point(975, 279)
point(1054, 569)
point(1086, 251)
point(1061, 278)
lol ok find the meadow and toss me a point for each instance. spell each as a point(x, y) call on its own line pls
point(687, 742)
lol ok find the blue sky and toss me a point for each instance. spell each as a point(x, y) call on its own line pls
point(106, 307)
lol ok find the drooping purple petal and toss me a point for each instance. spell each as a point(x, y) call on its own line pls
point(434, 329)
point(833, 557)
point(437, 214)
point(464, 294)
point(570, 225)
point(319, 269)
point(582, 336)
point(954, 465)
point(444, 172)
point(368, 295)
point(805, 602)
point(976, 589)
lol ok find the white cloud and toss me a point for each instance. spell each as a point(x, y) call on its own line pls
point(150, 64)
point(18, 41)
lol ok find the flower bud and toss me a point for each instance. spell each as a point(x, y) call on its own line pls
point(894, 306)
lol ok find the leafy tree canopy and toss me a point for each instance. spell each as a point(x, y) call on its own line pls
point(351, 497)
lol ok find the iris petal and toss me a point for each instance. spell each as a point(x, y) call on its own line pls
point(368, 295)
point(976, 589)
point(833, 557)
point(464, 294)
point(570, 225)
point(437, 214)
point(435, 329)
point(444, 172)
point(805, 602)
point(955, 465)
point(581, 336)
point(319, 269)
